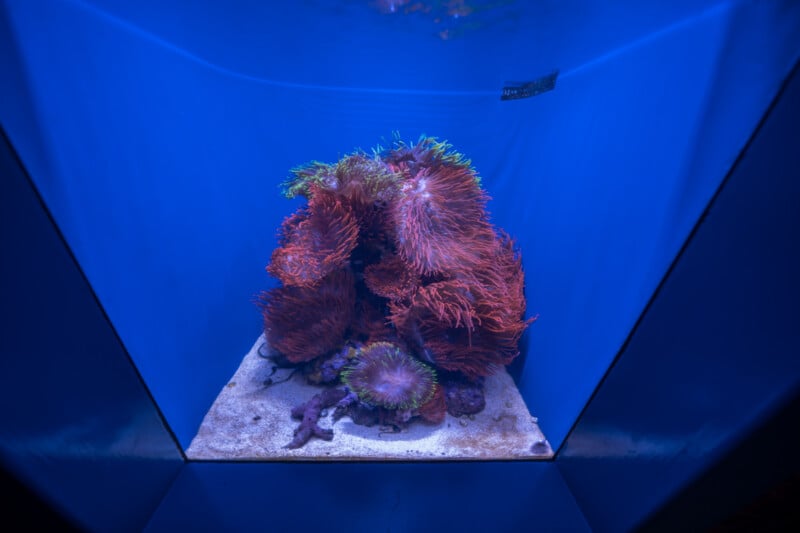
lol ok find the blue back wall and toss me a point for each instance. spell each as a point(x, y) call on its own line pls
point(158, 133)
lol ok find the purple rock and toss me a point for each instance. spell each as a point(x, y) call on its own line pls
point(464, 397)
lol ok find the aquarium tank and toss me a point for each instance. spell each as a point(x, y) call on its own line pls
point(401, 303)
point(528, 261)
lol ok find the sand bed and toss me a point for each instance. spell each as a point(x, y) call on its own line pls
point(250, 421)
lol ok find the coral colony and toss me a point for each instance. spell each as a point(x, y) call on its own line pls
point(397, 295)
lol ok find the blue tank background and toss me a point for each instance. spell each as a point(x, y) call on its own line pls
point(157, 135)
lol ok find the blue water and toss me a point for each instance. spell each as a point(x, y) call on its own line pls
point(158, 135)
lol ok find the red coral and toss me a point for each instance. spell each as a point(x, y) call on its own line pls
point(440, 221)
point(410, 226)
point(427, 153)
point(303, 323)
point(473, 354)
point(500, 297)
point(369, 323)
point(315, 241)
point(450, 302)
point(391, 278)
point(471, 324)
point(365, 181)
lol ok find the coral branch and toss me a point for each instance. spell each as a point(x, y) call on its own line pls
point(303, 323)
point(440, 221)
point(448, 303)
point(310, 413)
point(315, 241)
point(357, 177)
point(391, 278)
